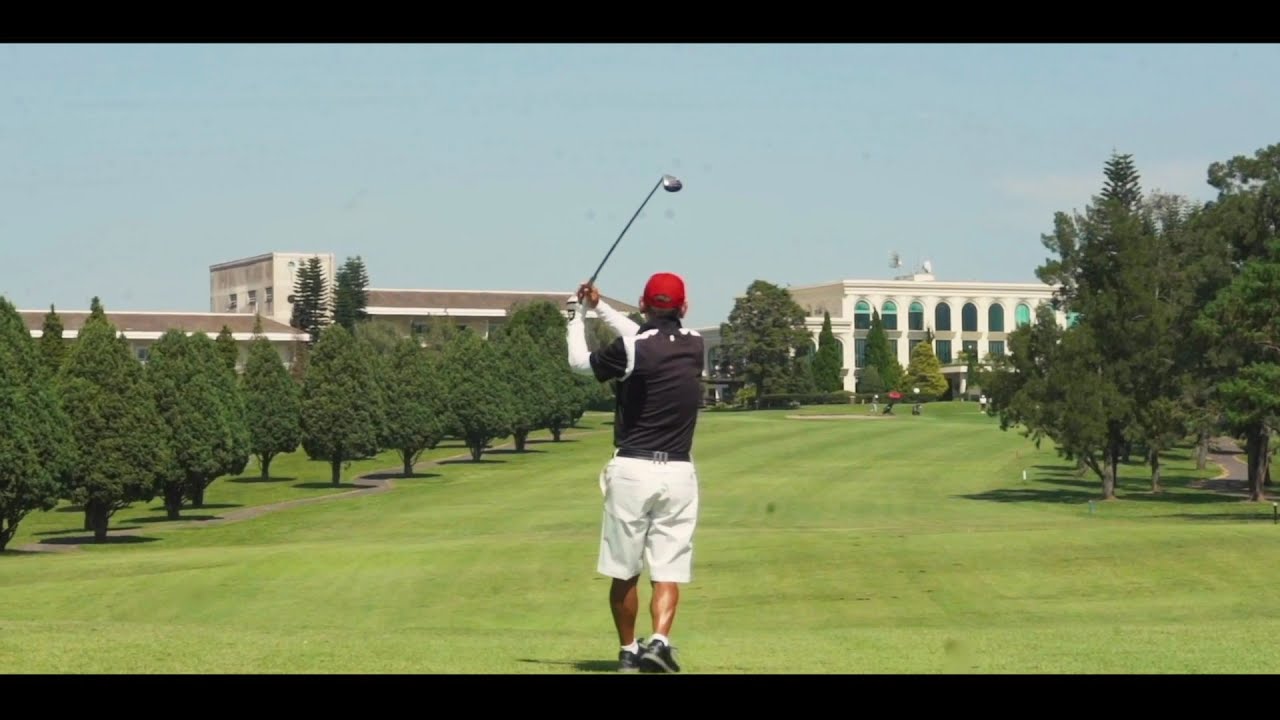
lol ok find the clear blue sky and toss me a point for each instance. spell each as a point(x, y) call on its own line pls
point(126, 170)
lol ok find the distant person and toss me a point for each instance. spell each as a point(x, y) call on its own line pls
point(650, 485)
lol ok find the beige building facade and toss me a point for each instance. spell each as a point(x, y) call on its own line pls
point(262, 284)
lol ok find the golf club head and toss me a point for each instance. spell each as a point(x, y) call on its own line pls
point(671, 183)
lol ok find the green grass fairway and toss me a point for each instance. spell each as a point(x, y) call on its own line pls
point(899, 545)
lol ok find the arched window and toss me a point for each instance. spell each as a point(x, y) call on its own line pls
point(1021, 315)
point(862, 315)
point(942, 317)
point(915, 317)
point(889, 315)
point(969, 318)
point(995, 318)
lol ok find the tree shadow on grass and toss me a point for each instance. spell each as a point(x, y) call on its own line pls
point(469, 461)
point(1064, 487)
point(398, 475)
point(330, 486)
point(1240, 517)
point(513, 451)
point(183, 517)
point(1032, 495)
point(257, 479)
point(109, 540)
point(579, 665)
point(81, 530)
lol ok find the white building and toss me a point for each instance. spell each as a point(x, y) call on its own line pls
point(142, 329)
point(964, 316)
point(262, 283)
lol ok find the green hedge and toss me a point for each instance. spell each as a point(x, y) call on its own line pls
point(782, 400)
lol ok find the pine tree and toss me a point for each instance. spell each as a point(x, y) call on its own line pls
point(1122, 182)
point(310, 300)
point(350, 295)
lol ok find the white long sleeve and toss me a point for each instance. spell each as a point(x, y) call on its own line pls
point(620, 323)
point(579, 355)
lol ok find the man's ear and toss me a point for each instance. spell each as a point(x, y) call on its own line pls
point(684, 309)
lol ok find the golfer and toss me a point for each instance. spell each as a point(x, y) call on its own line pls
point(650, 486)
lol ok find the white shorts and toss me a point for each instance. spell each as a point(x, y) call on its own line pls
point(650, 512)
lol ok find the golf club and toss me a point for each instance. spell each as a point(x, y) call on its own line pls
point(670, 183)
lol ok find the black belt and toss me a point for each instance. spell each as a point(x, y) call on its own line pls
point(654, 455)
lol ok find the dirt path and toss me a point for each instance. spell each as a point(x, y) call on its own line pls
point(379, 481)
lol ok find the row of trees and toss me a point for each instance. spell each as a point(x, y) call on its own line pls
point(1177, 331)
point(85, 422)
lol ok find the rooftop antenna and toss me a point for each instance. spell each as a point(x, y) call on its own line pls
point(895, 260)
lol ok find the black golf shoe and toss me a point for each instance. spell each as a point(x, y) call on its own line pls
point(659, 657)
point(629, 662)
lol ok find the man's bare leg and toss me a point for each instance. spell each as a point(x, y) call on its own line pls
point(625, 604)
point(660, 654)
point(666, 596)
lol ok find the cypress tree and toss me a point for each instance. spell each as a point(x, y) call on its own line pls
point(828, 363)
point(53, 348)
point(480, 403)
point(416, 418)
point(121, 451)
point(227, 348)
point(272, 405)
point(342, 412)
point(36, 447)
point(186, 398)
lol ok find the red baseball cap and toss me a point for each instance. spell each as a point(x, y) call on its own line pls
point(664, 290)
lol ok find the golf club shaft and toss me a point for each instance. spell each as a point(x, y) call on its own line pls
point(595, 274)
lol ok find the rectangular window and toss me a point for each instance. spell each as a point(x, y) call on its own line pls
point(971, 347)
point(860, 350)
point(232, 305)
point(996, 347)
point(942, 349)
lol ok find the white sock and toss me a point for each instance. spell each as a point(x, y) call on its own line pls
point(633, 647)
point(659, 637)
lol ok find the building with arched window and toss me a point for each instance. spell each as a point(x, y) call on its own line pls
point(962, 317)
